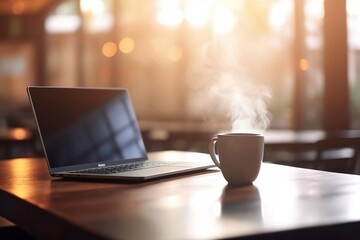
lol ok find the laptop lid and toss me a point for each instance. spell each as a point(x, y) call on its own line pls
point(85, 128)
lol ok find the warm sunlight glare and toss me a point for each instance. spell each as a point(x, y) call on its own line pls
point(197, 12)
point(92, 6)
point(109, 49)
point(18, 170)
point(278, 15)
point(353, 8)
point(169, 15)
point(223, 20)
point(126, 45)
point(314, 9)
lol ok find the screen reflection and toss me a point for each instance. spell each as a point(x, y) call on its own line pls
point(91, 126)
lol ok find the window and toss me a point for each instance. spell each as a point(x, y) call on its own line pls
point(310, 64)
point(181, 60)
point(62, 26)
point(353, 21)
point(194, 60)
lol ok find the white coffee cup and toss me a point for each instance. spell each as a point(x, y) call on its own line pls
point(239, 156)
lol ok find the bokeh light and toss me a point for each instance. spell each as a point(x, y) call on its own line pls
point(126, 45)
point(18, 7)
point(109, 49)
point(304, 64)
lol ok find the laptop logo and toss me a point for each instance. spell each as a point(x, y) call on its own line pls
point(101, 165)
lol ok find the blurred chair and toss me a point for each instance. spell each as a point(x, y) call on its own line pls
point(19, 142)
point(299, 157)
point(338, 154)
point(162, 139)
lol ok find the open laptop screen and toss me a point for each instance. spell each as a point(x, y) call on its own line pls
point(84, 125)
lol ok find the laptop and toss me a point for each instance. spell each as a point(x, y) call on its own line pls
point(94, 133)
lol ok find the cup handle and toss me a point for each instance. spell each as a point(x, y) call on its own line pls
point(212, 151)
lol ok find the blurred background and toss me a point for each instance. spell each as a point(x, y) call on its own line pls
point(174, 57)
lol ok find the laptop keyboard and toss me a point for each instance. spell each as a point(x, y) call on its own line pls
point(122, 168)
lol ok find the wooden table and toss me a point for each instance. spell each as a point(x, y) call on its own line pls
point(283, 203)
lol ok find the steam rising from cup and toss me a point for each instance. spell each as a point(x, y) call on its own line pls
point(230, 91)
